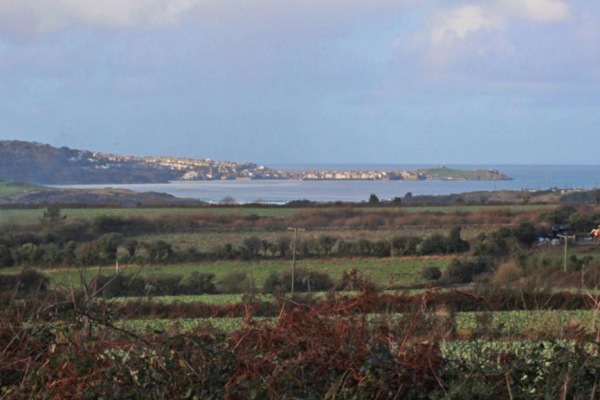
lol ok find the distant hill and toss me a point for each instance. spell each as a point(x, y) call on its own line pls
point(44, 164)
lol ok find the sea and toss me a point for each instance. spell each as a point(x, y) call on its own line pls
point(282, 191)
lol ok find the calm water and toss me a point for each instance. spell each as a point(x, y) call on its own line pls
point(524, 177)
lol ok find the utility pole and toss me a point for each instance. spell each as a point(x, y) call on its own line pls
point(295, 230)
point(566, 239)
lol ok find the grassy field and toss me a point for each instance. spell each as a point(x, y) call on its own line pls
point(10, 188)
point(33, 215)
point(383, 272)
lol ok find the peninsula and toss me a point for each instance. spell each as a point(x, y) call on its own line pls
point(44, 164)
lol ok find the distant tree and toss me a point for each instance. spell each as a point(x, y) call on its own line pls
point(454, 242)
point(159, 251)
point(431, 273)
point(326, 244)
point(228, 201)
point(408, 196)
point(397, 201)
point(252, 246)
point(109, 245)
point(283, 245)
point(373, 199)
point(52, 218)
point(131, 245)
point(597, 196)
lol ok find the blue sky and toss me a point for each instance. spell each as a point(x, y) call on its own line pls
point(311, 81)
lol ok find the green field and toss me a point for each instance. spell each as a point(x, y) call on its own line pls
point(383, 272)
point(10, 188)
point(33, 215)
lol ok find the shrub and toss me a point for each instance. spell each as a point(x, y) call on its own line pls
point(235, 282)
point(251, 247)
point(463, 271)
point(306, 281)
point(109, 245)
point(326, 244)
point(382, 248)
point(507, 273)
point(431, 273)
point(283, 245)
point(198, 283)
point(405, 245)
point(6, 258)
point(435, 244)
point(28, 281)
point(273, 284)
point(159, 251)
point(454, 243)
point(525, 233)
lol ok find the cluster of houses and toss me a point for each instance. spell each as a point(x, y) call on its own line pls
point(360, 175)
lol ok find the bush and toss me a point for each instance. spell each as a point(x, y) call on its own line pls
point(6, 258)
point(198, 283)
point(157, 285)
point(405, 245)
point(251, 247)
point(382, 248)
point(235, 282)
point(28, 281)
point(454, 243)
point(305, 281)
point(435, 244)
point(273, 284)
point(431, 273)
point(525, 233)
point(507, 273)
point(109, 245)
point(463, 271)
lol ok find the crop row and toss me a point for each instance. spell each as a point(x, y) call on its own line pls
point(506, 323)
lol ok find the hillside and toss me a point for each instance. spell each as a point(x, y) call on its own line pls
point(44, 164)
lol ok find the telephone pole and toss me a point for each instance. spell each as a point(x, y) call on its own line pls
point(295, 230)
point(566, 239)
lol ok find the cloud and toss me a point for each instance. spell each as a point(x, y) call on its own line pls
point(26, 17)
point(536, 10)
point(495, 15)
point(464, 20)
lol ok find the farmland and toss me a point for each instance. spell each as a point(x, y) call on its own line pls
point(27, 216)
point(385, 272)
point(204, 295)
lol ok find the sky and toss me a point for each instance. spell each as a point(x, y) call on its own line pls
point(306, 81)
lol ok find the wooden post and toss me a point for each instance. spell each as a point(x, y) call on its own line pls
point(566, 238)
point(296, 230)
point(565, 255)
